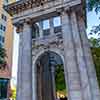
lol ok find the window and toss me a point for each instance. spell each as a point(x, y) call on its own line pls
point(0, 38)
point(6, 1)
point(57, 24)
point(3, 88)
point(57, 21)
point(0, 44)
point(4, 17)
point(3, 39)
point(46, 27)
point(46, 24)
point(3, 28)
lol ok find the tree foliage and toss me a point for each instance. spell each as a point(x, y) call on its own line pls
point(96, 56)
point(3, 56)
point(60, 80)
point(94, 4)
point(95, 30)
point(94, 42)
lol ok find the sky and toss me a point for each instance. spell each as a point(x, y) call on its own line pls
point(92, 20)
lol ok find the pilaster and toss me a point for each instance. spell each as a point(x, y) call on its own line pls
point(25, 64)
point(71, 72)
point(89, 61)
point(85, 86)
point(19, 72)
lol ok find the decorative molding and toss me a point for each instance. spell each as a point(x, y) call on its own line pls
point(36, 48)
point(23, 5)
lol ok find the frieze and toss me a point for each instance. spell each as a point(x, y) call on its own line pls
point(23, 5)
point(36, 48)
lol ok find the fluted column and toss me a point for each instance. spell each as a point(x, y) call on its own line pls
point(71, 72)
point(89, 61)
point(25, 64)
point(80, 58)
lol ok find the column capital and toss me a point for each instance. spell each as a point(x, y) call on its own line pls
point(21, 23)
point(28, 21)
point(19, 28)
point(68, 10)
point(63, 10)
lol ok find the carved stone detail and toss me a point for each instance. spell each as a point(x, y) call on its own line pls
point(36, 48)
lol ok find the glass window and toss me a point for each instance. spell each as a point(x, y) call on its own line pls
point(4, 28)
point(46, 24)
point(0, 45)
point(3, 39)
point(0, 38)
point(3, 88)
point(57, 21)
point(1, 26)
point(6, 1)
point(4, 17)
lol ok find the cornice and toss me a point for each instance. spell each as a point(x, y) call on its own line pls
point(23, 5)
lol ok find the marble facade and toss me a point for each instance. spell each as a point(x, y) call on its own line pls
point(69, 41)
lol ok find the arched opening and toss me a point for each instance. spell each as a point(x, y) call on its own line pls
point(50, 77)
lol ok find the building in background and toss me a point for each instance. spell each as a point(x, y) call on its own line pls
point(6, 40)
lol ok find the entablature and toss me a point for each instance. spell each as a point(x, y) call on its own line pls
point(35, 9)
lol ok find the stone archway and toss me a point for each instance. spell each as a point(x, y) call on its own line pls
point(45, 69)
point(69, 36)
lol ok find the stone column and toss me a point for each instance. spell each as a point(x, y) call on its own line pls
point(72, 77)
point(47, 82)
point(51, 26)
point(41, 29)
point(89, 61)
point(80, 58)
point(25, 64)
point(39, 79)
point(34, 80)
point(53, 81)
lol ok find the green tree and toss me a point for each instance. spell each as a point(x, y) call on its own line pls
point(94, 4)
point(94, 42)
point(96, 56)
point(3, 56)
point(59, 77)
